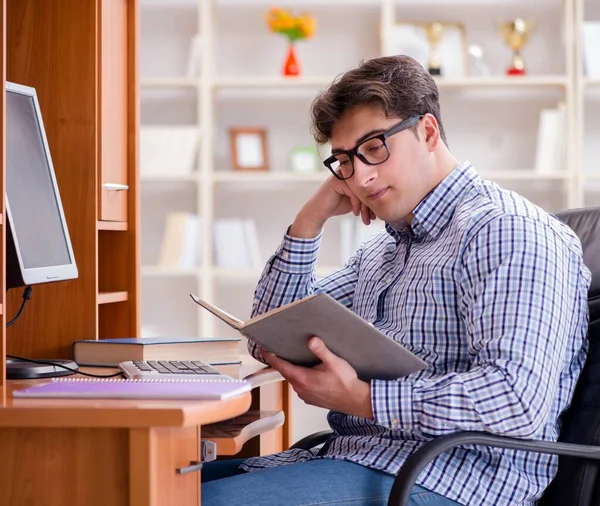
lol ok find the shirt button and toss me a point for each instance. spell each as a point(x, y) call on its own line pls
point(285, 255)
point(394, 421)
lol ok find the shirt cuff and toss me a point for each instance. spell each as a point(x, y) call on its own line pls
point(296, 255)
point(392, 404)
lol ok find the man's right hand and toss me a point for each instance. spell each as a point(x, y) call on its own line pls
point(332, 198)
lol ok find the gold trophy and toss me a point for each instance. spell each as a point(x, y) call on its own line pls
point(434, 32)
point(516, 33)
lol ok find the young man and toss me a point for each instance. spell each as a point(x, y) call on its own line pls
point(487, 288)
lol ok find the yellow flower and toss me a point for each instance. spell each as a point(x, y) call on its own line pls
point(293, 27)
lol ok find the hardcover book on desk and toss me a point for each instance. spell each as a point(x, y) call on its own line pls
point(110, 352)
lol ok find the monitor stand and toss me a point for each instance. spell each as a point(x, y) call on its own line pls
point(20, 369)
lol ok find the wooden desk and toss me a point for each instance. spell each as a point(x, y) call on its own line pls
point(103, 452)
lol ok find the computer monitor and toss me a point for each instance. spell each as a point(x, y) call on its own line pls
point(38, 245)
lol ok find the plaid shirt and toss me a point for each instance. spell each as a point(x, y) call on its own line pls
point(491, 292)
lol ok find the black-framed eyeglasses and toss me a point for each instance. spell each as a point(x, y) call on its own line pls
point(371, 151)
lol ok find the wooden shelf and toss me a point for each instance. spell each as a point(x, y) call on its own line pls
point(272, 82)
point(111, 297)
point(231, 435)
point(112, 225)
point(254, 274)
point(171, 178)
point(504, 82)
point(300, 87)
point(269, 177)
point(523, 175)
point(591, 82)
point(167, 272)
point(169, 82)
point(319, 177)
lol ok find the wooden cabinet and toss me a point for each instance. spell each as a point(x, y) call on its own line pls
point(80, 56)
point(115, 47)
point(103, 452)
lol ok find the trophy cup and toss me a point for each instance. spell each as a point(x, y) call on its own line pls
point(516, 33)
point(434, 32)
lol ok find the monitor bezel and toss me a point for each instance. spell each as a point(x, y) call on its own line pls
point(36, 275)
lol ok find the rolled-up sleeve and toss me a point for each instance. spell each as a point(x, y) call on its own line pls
point(289, 275)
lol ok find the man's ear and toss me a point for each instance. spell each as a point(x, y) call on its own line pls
point(431, 131)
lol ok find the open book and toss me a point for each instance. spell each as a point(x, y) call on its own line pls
point(286, 330)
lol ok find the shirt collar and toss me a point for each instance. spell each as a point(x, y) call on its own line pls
point(433, 212)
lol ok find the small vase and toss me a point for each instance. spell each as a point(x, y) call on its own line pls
point(291, 66)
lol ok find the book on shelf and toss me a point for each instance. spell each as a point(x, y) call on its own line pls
point(236, 243)
point(168, 150)
point(591, 41)
point(286, 331)
point(110, 352)
point(192, 68)
point(181, 241)
point(551, 149)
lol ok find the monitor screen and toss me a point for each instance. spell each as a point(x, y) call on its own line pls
point(34, 208)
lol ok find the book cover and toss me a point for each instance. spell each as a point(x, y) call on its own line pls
point(286, 331)
point(110, 352)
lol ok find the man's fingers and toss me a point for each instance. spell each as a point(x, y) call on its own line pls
point(317, 346)
point(286, 369)
point(365, 214)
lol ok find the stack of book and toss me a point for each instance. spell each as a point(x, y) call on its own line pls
point(110, 352)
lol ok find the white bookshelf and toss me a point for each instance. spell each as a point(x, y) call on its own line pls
point(491, 121)
point(239, 83)
point(169, 82)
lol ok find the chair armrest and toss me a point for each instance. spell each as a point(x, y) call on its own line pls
point(264, 377)
point(406, 478)
point(312, 440)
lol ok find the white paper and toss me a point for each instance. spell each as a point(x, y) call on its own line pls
point(249, 150)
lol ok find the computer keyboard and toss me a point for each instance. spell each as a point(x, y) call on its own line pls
point(170, 370)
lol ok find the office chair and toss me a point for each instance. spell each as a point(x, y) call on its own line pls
point(577, 482)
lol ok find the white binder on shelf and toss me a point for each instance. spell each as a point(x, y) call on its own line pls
point(181, 243)
point(551, 141)
point(230, 247)
point(168, 150)
point(192, 68)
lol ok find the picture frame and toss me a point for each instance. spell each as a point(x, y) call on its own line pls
point(409, 38)
point(248, 148)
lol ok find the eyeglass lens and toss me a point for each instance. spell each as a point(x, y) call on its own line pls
point(372, 150)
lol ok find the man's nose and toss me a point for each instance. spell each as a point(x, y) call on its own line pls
point(363, 172)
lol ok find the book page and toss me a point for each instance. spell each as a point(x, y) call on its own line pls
point(232, 321)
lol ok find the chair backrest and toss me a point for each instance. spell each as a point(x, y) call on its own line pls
point(577, 482)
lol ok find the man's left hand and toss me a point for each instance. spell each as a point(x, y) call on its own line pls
point(333, 384)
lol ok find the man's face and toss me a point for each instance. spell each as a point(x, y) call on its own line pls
point(395, 187)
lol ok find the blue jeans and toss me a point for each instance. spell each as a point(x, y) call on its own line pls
point(316, 482)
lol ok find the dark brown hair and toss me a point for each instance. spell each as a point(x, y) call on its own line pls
point(398, 84)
